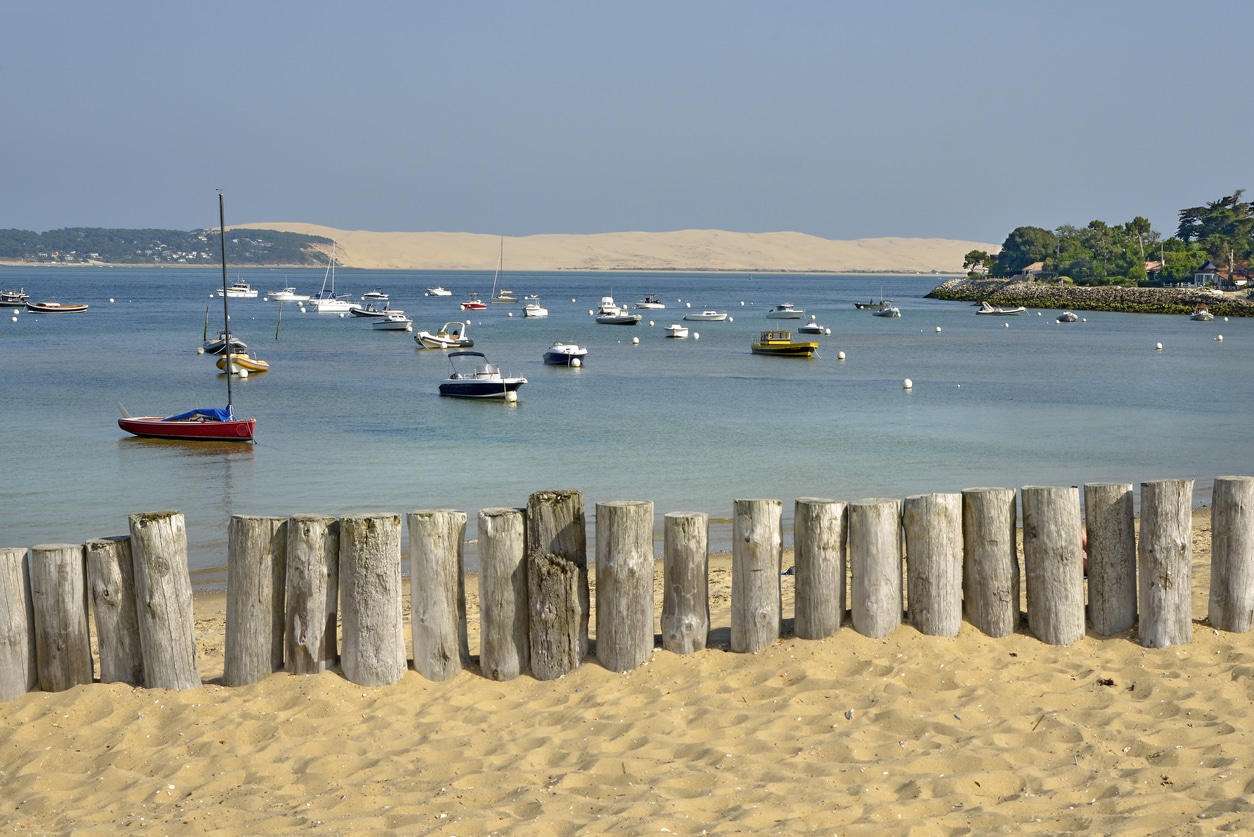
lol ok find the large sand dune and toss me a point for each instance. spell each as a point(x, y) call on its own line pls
point(672, 251)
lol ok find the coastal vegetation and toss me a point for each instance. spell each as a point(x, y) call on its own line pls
point(1131, 253)
point(93, 245)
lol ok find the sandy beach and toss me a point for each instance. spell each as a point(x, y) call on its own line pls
point(906, 735)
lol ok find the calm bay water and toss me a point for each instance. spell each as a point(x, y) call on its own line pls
point(349, 419)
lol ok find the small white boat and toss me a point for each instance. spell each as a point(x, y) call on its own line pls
point(288, 295)
point(240, 290)
point(438, 291)
point(886, 310)
point(1067, 317)
point(325, 301)
point(650, 302)
point(986, 308)
point(1201, 314)
point(376, 295)
point(785, 311)
point(485, 381)
point(811, 328)
point(452, 335)
point(707, 316)
point(473, 303)
point(677, 331)
point(565, 354)
point(14, 299)
point(373, 311)
point(392, 321)
point(535, 309)
point(611, 314)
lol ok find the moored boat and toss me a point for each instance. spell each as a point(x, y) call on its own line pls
point(677, 331)
point(373, 311)
point(1067, 317)
point(325, 301)
point(785, 311)
point(14, 299)
point(707, 316)
point(534, 309)
point(483, 381)
point(650, 302)
point(610, 314)
point(393, 321)
point(1201, 314)
point(811, 327)
point(986, 308)
point(218, 345)
point(288, 294)
point(780, 343)
point(239, 360)
point(473, 303)
point(239, 290)
point(887, 310)
point(452, 335)
point(55, 308)
point(565, 354)
point(376, 295)
point(438, 291)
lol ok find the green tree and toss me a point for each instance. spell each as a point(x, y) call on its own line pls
point(1022, 247)
point(976, 261)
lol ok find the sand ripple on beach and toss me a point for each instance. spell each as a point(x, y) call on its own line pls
point(848, 735)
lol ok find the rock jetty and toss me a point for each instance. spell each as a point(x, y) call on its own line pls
point(1010, 292)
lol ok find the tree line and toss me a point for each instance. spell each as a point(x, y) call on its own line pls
point(85, 245)
point(1221, 231)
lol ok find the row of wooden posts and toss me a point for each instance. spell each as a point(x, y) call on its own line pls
point(289, 580)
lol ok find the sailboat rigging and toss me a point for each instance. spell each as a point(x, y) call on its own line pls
point(505, 295)
point(212, 424)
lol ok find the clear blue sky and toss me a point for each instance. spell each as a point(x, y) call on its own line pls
point(839, 119)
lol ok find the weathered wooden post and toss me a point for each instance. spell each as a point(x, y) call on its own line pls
point(163, 600)
point(624, 533)
point(111, 586)
point(1110, 526)
point(18, 672)
point(686, 581)
point(1054, 564)
point(504, 644)
point(933, 527)
point(557, 580)
point(370, 599)
point(1165, 563)
point(256, 579)
point(312, 593)
point(819, 539)
point(437, 593)
point(62, 639)
point(757, 560)
point(990, 560)
point(1231, 606)
point(875, 594)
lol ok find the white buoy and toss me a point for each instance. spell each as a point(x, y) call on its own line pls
point(1084, 319)
point(696, 335)
point(742, 303)
point(111, 300)
point(938, 329)
point(342, 315)
point(688, 305)
point(511, 397)
point(1225, 318)
point(731, 319)
point(907, 384)
point(635, 341)
point(1038, 313)
point(572, 299)
point(840, 355)
point(15, 318)
point(1220, 338)
point(650, 323)
point(589, 312)
point(1005, 325)
point(511, 313)
point(410, 329)
point(828, 332)
point(576, 362)
point(302, 309)
point(1158, 347)
point(243, 373)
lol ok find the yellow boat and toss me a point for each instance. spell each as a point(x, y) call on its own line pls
point(241, 361)
point(781, 343)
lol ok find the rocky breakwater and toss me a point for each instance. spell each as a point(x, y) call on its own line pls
point(1004, 292)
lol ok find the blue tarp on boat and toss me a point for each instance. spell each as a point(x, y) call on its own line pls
point(206, 413)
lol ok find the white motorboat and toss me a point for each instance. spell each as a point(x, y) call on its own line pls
point(650, 302)
point(239, 290)
point(392, 321)
point(986, 308)
point(14, 299)
point(438, 291)
point(373, 311)
point(565, 354)
point(535, 309)
point(452, 335)
point(288, 295)
point(707, 316)
point(484, 381)
point(677, 331)
point(887, 310)
point(610, 314)
point(218, 345)
point(785, 311)
point(376, 295)
point(325, 301)
point(1067, 317)
point(811, 327)
point(1201, 314)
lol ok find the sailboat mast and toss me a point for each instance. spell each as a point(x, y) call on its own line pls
point(226, 316)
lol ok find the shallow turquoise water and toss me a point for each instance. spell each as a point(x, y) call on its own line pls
point(349, 419)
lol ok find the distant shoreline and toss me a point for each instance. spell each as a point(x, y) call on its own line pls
point(1103, 298)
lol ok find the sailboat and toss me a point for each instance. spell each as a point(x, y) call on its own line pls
point(504, 295)
point(325, 301)
point(206, 424)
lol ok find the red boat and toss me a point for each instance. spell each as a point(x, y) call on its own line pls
point(473, 303)
point(207, 425)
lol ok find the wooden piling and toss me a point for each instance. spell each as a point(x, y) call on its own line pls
point(437, 593)
point(504, 643)
point(686, 581)
point(1165, 563)
point(559, 602)
point(18, 671)
point(62, 639)
point(111, 589)
point(933, 527)
point(819, 539)
point(624, 621)
point(311, 593)
point(163, 600)
point(757, 560)
point(370, 599)
point(1110, 527)
point(990, 560)
point(1231, 606)
point(1053, 563)
point(256, 579)
point(875, 594)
